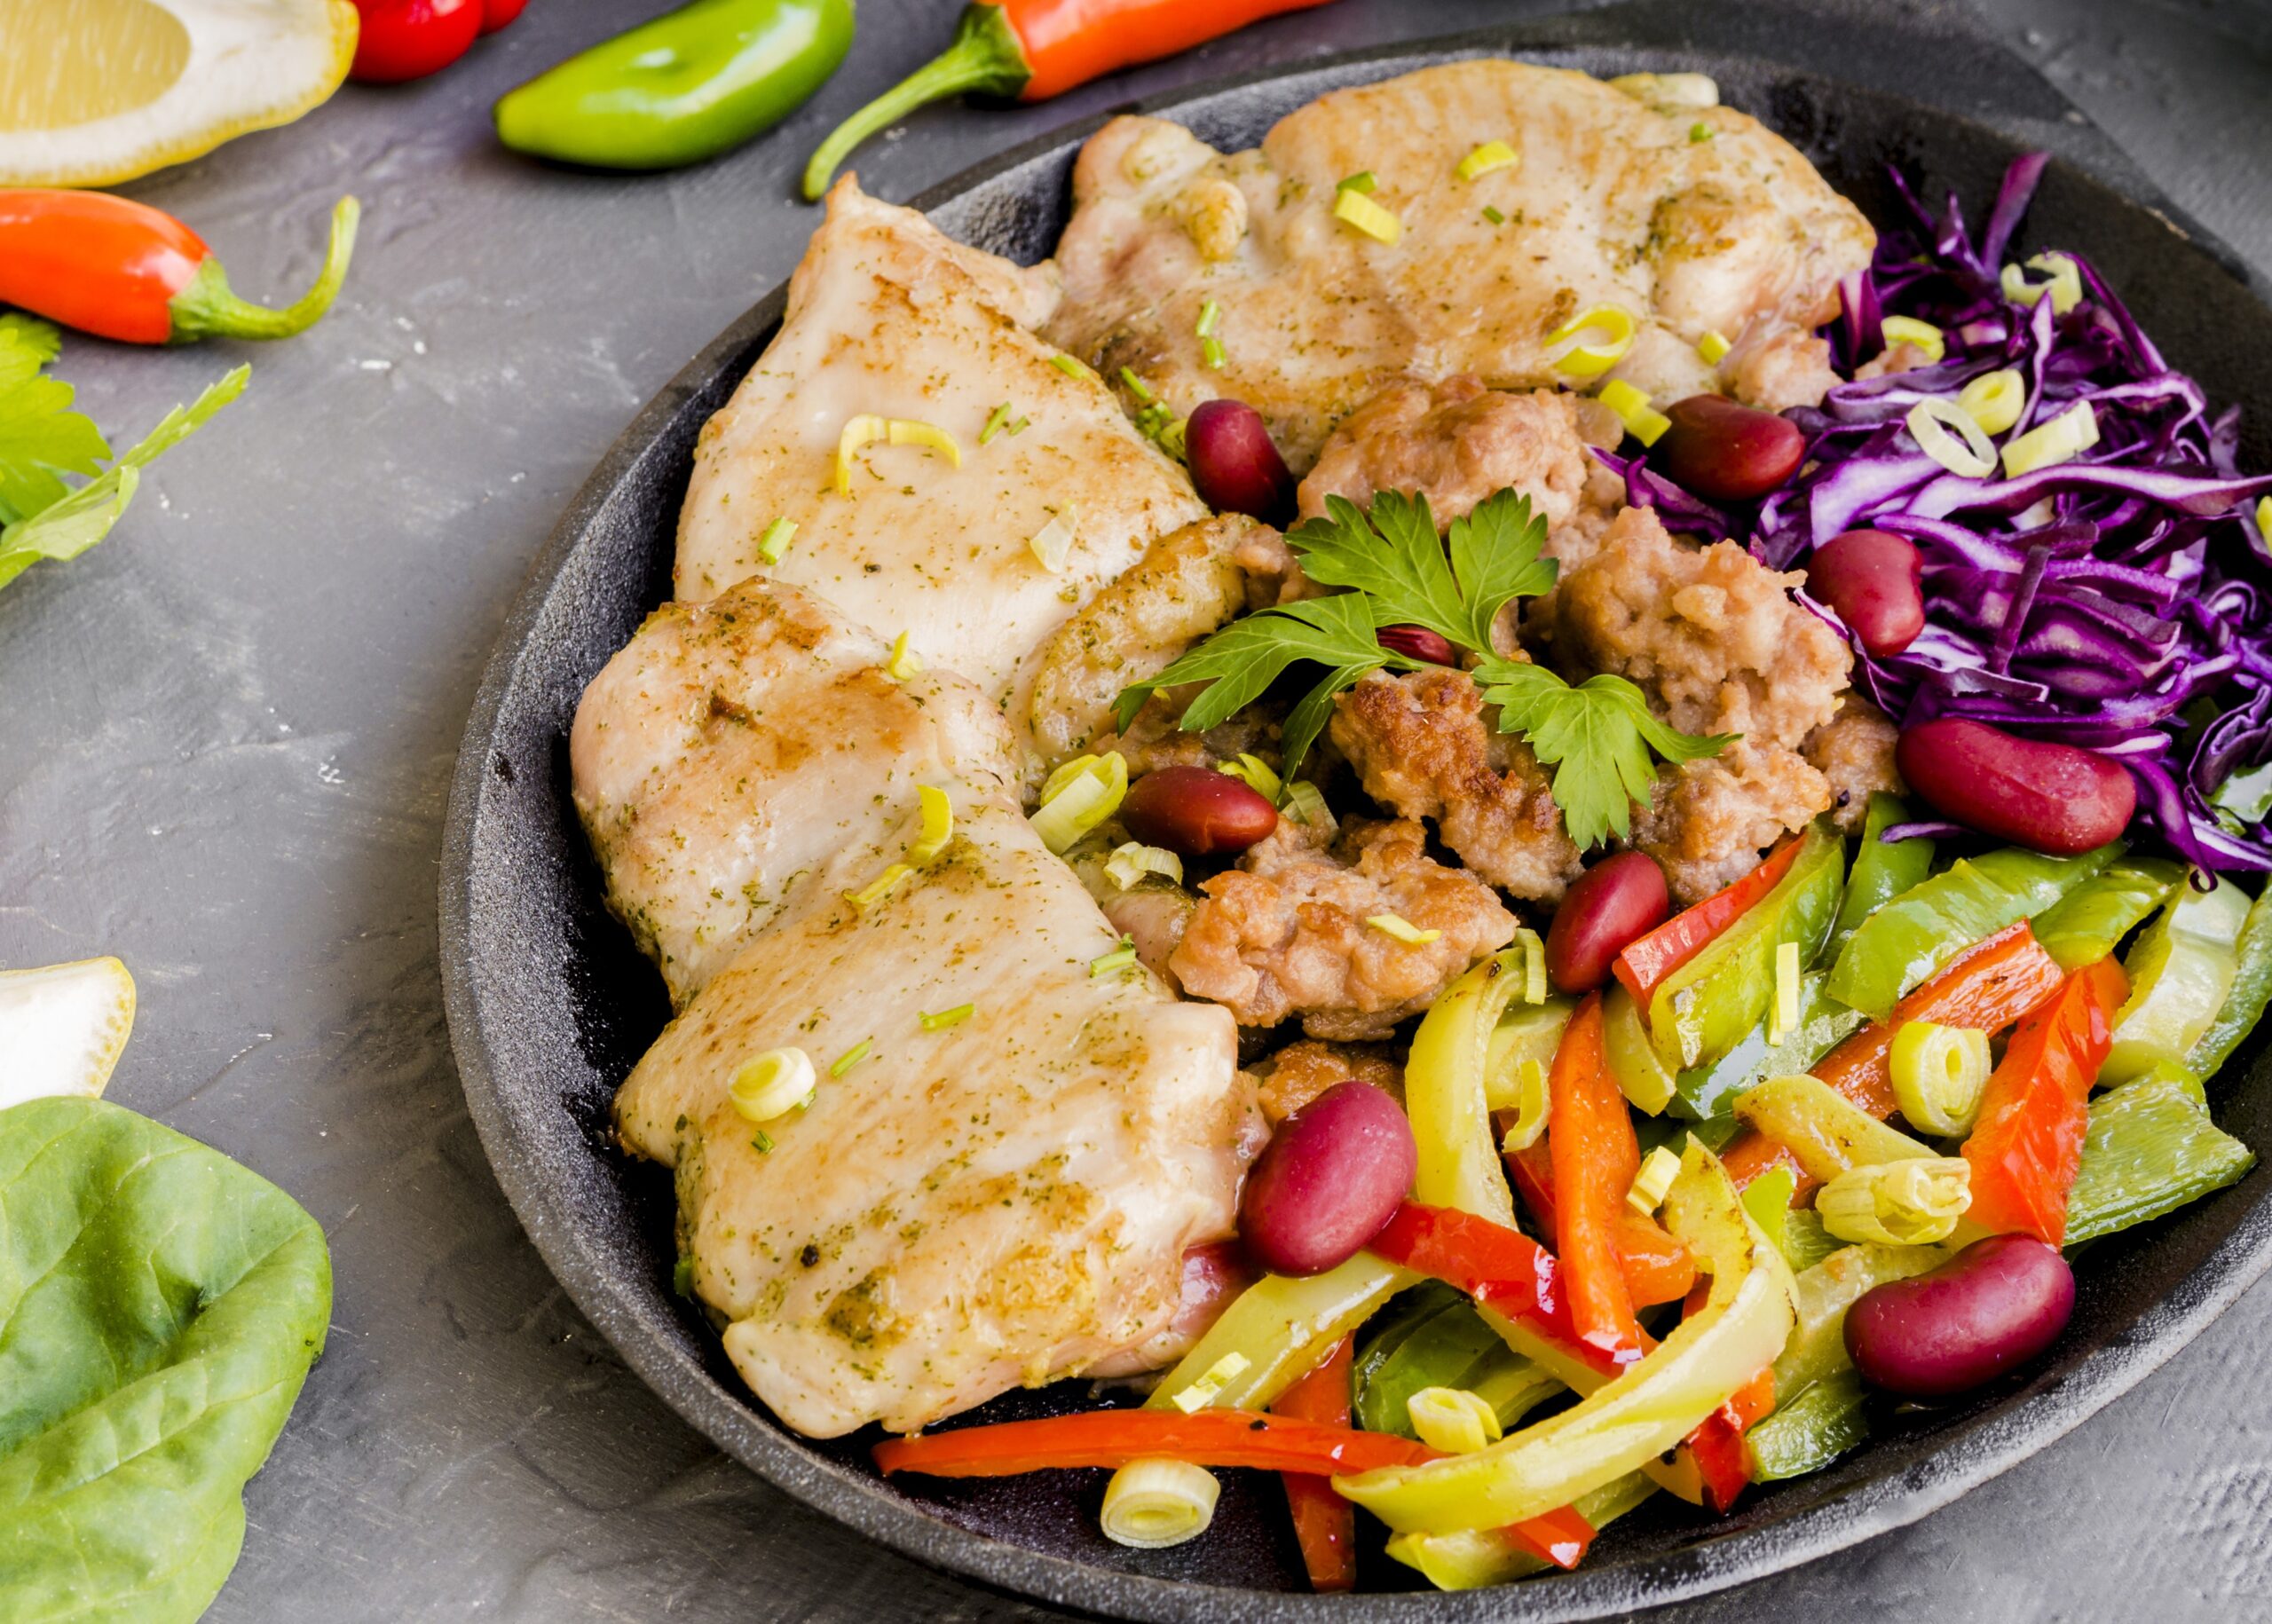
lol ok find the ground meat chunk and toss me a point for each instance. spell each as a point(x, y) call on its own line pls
point(1854, 751)
point(1154, 740)
point(1422, 746)
point(1709, 633)
point(1709, 821)
point(1790, 369)
point(1284, 933)
point(1301, 1071)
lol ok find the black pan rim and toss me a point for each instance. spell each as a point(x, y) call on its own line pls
point(2033, 1420)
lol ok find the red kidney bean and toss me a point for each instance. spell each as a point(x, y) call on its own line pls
point(1213, 1275)
point(1726, 453)
point(1418, 643)
point(1875, 583)
point(1331, 1176)
point(2048, 797)
point(1234, 466)
point(1196, 811)
point(1997, 1304)
point(1618, 900)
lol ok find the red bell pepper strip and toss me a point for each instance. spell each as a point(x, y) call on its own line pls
point(1503, 1269)
point(1657, 1267)
point(407, 39)
point(1114, 1437)
point(2028, 1141)
point(1723, 1464)
point(1560, 1537)
point(1325, 1525)
point(1589, 1140)
point(1035, 49)
point(123, 270)
point(1645, 963)
point(1990, 988)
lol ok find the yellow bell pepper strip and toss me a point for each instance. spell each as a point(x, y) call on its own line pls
point(2245, 1004)
point(1521, 1050)
point(2150, 1148)
point(1710, 1356)
point(1114, 1437)
point(1283, 1328)
point(1918, 934)
point(1882, 870)
point(2181, 969)
point(1325, 1525)
point(1645, 963)
point(1648, 1086)
point(1594, 1154)
point(1705, 1091)
point(2090, 921)
point(1816, 1350)
point(1825, 1132)
point(1484, 1557)
point(1447, 1090)
point(1704, 1009)
point(2028, 1143)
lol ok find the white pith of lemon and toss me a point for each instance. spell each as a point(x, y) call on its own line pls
point(62, 1028)
point(104, 90)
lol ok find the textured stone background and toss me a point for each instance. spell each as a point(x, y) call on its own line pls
point(226, 739)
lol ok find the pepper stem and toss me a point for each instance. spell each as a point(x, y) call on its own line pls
point(206, 308)
point(985, 55)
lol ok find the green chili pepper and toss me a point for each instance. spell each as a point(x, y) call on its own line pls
point(1442, 1342)
point(2090, 921)
point(688, 85)
point(2180, 968)
point(1882, 871)
point(1824, 1023)
point(1702, 1010)
point(1913, 937)
point(1813, 1430)
point(2252, 990)
point(2150, 1150)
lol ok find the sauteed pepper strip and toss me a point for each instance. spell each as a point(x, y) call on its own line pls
point(1325, 1525)
point(1646, 962)
point(1114, 1437)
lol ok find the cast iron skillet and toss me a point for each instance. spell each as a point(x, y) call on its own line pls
point(549, 1005)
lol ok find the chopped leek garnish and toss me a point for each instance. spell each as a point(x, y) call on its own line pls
point(1362, 183)
point(1136, 385)
point(1494, 216)
point(1587, 345)
point(1642, 421)
point(1931, 420)
point(867, 429)
point(997, 421)
point(1530, 1120)
point(1917, 334)
point(1489, 157)
point(1304, 803)
point(1533, 965)
point(1172, 438)
point(1074, 367)
point(1658, 1170)
point(1699, 131)
point(1784, 1018)
point(770, 1085)
point(1078, 796)
point(938, 813)
point(763, 1142)
point(1158, 1502)
point(1202, 1392)
point(1353, 207)
point(1994, 399)
point(1255, 773)
point(2065, 285)
point(1053, 543)
point(903, 662)
point(1120, 959)
point(1939, 1073)
point(1130, 863)
point(1210, 314)
point(1714, 347)
point(1401, 928)
point(1663, 90)
point(2063, 439)
point(1452, 1420)
point(945, 1018)
point(1210, 351)
point(868, 895)
point(775, 541)
point(851, 1057)
point(1913, 1202)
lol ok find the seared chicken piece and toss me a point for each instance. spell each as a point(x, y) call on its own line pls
point(1709, 820)
point(1854, 751)
point(889, 318)
point(1286, 933)
point(739, 753)
point(1421, 745)
point(957, 1211)
point(1611, 203)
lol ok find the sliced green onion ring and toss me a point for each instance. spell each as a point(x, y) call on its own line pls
point(1078, 796)
point(1353, 207)
point(1589, 344)
point(1922, 335)
point(1131, 862)
point(1939, 1073)
point(938, 825)
point(1994, 399)
point(1454, 1420)
point(1158, 1502)
point(771, 1085)
point(1971, 457)
point(1913, 1203)
point(2063, 439)
point(1256, 774)
point(1658, 1170)
point(1402, 929)
point(1489, 157)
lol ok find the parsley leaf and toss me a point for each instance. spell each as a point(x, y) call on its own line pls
point(1454, 586)
point(1596, 736)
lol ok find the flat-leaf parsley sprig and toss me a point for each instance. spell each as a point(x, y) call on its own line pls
point(1596, 737)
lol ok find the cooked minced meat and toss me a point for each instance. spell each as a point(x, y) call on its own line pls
point(1709, 821)
point(1301, 1071)
point(1854, 751)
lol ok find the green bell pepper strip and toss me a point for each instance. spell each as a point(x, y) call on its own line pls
point(2181, 969)
point(1706, 1091)
point(2150, 1148)
point(1484, 1557)
point(1810, 1431)
point(1913, 937)
point(1449, 1345)
point(688, 85)
point(1817, 1349)
point(1702, 1010)
point(1673, 1132)
point(2245, 1004)
point(1882, 871)
point(2090, 921)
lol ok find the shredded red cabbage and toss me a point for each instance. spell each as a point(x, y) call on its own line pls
point(2121, 601)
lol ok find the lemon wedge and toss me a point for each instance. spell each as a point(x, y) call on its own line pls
point(62, 1027)
point(108, 90)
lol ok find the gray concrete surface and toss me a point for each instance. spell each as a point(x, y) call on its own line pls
point(226, 738)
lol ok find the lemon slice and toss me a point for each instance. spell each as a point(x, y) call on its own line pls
point(108, 90)
point(61, 1028)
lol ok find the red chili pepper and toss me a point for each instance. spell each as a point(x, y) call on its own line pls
point(2028, 1141)
point(408, 39)
point(1645, 963)
point(1114, 1437)
point(1325, 1525)
point(496, 13)
point(123, 270)
point(1035, 49)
